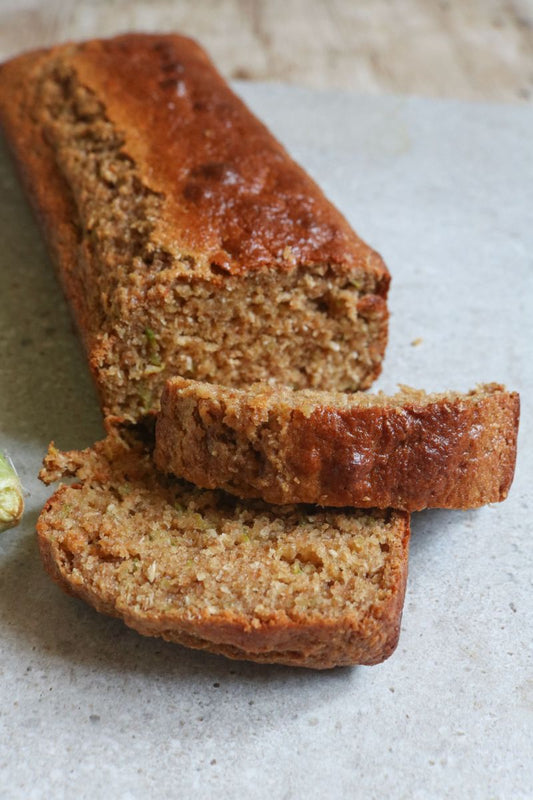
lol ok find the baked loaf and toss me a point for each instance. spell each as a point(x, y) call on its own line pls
point(188, 242)
point(411, 451)
point(293, 585)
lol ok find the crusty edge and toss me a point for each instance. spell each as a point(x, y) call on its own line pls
point(457, 453)
point(324, 645)
point(48, 193)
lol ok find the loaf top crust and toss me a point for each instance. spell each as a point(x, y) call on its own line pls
point(233, 198)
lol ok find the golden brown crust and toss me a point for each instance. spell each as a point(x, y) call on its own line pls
point(308, 639)
point(44, 185)
point(229, 199)
point(234, 197)
point(412, 452)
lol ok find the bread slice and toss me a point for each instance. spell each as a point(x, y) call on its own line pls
point(292, 585)
point(411, 451)
point(188, 241)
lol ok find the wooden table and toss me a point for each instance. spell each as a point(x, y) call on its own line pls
point(469, 49)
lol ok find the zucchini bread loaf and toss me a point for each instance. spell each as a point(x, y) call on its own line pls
point(188, 242)
point(411, 451)
point(294, 584)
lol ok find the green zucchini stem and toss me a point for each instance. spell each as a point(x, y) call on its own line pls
point(11, 495)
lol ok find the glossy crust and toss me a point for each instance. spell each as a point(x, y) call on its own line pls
point(231, 197)
point(414, 452)
point(311, 640)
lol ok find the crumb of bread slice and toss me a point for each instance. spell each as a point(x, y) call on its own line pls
point(294, 585)
point(411, 450)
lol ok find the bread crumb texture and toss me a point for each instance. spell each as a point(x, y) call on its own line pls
point(294, 584)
